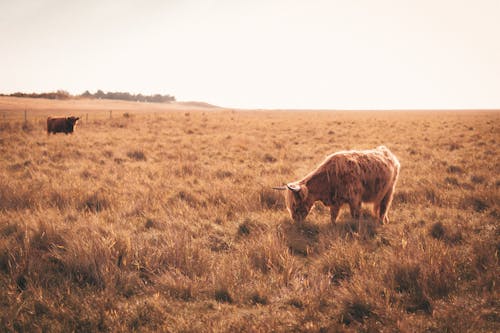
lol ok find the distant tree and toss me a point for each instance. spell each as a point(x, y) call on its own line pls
point(100, 94)
point(63, 94)
point(86, 94)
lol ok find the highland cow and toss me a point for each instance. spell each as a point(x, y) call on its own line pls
point(347, 177)
point(61, 124)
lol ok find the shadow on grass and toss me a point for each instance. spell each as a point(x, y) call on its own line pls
point(303, 239)
point(364, 228)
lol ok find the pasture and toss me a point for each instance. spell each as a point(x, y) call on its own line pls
point(162, 218)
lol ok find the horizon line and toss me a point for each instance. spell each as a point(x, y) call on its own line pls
point(322, 109)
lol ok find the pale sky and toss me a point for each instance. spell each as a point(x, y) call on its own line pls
point(337, 54)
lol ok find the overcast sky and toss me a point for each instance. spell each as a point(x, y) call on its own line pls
point(337, 54)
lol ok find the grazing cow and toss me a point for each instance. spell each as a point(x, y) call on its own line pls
point(346, 177)
point(61, 124)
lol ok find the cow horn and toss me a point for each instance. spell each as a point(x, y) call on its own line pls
point(293, 187)
point(280, 188)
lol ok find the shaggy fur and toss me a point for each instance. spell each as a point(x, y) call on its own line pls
point(347, 177)
point(61, 124)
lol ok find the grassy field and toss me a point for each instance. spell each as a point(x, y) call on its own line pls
point(162, 218)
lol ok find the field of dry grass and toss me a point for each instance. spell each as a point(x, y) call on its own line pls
point(163, 219)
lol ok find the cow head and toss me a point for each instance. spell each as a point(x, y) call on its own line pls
point(71, 122)
point(296, 198)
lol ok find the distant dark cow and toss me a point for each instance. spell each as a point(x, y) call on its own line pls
point(61, 124)
point(347, 177)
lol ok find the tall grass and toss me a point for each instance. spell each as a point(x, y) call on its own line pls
point(167, 222)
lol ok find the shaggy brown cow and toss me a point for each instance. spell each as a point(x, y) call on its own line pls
point(61, 124)
point(347, 177)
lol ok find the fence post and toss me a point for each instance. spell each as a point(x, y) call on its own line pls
point(86, 118)
point(110, 113)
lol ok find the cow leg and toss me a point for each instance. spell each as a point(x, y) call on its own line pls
point(334, 212)
point(376, 209)
point(384, 207)
point(355, 207)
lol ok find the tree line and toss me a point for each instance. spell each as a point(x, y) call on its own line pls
point(99, 94)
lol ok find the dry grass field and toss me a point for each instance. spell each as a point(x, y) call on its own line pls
point(162, 218)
